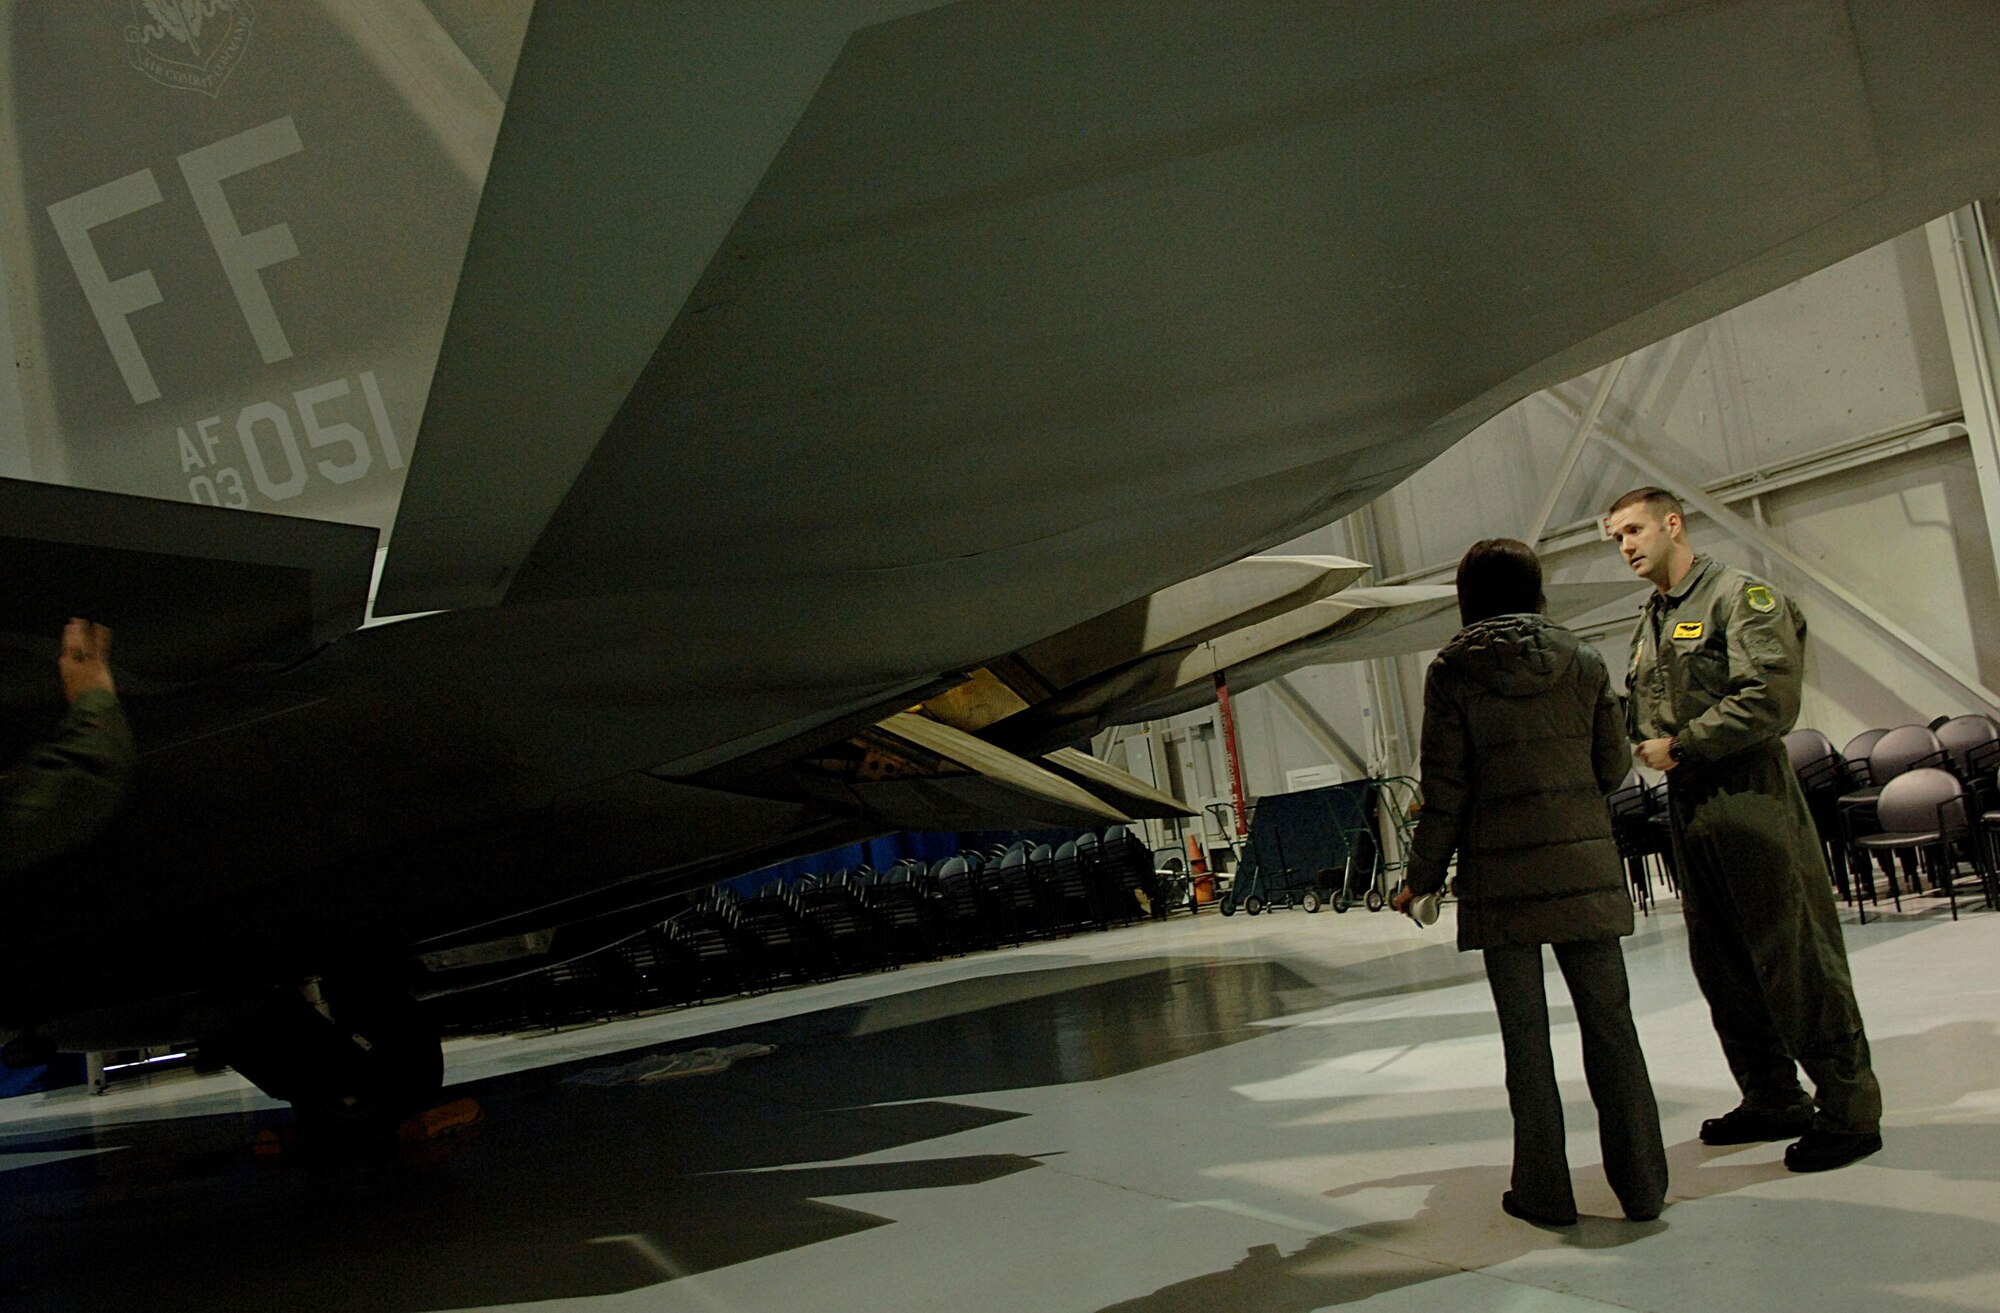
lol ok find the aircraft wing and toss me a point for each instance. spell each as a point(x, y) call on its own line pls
point(1400, 619)
point(882, 371)
point(1125, 790)
point(994, 786)
point(1383, 621)
point(1253, 627)
point(802, 374)
point(1210, 607)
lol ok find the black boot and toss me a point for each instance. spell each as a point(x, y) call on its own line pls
point(1822, 1151)
point(1749, 1126)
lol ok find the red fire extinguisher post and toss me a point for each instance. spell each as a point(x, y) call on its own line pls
point(1235, 756)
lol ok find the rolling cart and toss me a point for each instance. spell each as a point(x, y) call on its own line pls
point(1337, 834)
point(1366, 878)
point(1360, 879)
point(1269, 882)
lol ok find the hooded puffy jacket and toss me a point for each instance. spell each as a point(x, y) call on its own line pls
point(1522, 739)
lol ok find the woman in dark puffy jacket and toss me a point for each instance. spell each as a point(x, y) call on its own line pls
point(1522, 739)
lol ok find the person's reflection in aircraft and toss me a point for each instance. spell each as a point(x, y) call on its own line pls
point(68, 787)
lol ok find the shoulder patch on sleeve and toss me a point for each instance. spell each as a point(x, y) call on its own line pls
point(1759, 598)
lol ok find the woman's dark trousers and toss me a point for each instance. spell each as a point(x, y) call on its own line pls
point(1628, 1120)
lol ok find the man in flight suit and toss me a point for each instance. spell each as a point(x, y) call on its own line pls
point(67, 788)
point(1717, 665)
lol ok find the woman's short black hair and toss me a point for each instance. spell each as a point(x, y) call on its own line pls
point(1498, 576)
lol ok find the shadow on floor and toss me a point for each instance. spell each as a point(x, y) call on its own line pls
point(1938, 1067)
point(1890, 1256)
point(574, 1190)
point(1348, 1266)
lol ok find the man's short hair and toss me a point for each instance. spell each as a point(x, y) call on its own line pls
point(1657, 500)
point(1498, 576)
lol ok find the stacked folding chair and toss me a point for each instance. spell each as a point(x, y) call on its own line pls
point(853, 933)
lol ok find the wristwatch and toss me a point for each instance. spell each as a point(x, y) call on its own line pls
point(1674, 752)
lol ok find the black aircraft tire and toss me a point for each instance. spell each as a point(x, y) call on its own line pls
point(397, 1067)
point(355, 1076)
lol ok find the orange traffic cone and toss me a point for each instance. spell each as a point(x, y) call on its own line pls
point(1201, 883)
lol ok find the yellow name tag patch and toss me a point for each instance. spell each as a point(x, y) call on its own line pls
point(1688, 629)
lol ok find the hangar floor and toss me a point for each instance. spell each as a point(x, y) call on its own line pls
point(1263, 1115)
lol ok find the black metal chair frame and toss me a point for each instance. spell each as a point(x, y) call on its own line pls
point(1934, 850)
point(1823, 780)
point(1935, 853)
point(1857, 808)
point(1641, 839)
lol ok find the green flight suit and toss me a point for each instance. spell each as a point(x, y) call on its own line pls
point(1718, 662)
point(65, 791)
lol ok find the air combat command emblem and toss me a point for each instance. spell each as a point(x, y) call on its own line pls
point(188, 44)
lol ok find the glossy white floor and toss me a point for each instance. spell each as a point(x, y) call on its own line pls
point(1346, 1148)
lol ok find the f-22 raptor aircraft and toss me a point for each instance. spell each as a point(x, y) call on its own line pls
point(745, 389)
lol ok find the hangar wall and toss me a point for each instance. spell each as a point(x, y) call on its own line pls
point(1827, 415)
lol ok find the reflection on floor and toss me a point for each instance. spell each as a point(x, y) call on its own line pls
point(1272, 1115)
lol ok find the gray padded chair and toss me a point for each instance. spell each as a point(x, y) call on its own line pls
point(1855, 754)
point(1924, 811)
point(1810, 750)
point(1974, 744)
point(1905, 748)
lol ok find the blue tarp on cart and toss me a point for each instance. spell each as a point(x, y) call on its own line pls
point(1310, 831)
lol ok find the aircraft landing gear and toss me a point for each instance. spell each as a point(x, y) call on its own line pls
point(351, 1056)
